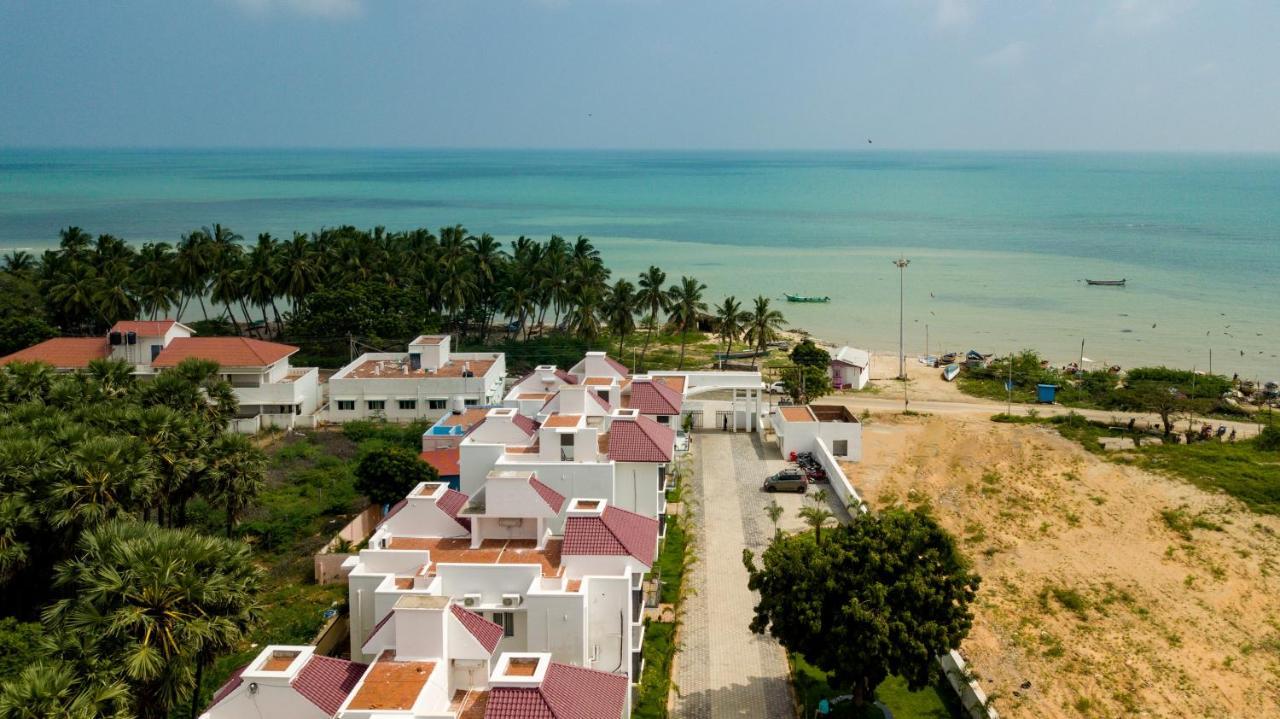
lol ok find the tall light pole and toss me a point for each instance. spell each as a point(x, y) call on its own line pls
point(901, 263)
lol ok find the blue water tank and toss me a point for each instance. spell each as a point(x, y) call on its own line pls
point(1046, 393)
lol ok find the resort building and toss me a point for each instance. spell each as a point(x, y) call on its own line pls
point(800, 428)
point(286, 682)
point(850, 368)
point(428, 381)
point(270, 392)
point(486, 575)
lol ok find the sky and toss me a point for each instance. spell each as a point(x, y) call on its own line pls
point(1163, 75)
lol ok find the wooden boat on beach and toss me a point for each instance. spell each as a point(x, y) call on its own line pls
point(742, 354)
point(807, 298)
point(1107, 283)
point(950, 371)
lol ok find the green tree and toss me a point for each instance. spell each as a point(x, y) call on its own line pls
point(763, 325)
point(387, 474)
point(731, 319)
point(651, 299)
point(806, 383)
point(902, 598)
point(160, 602)
point(816, 514)
point(808, 354)
point(53, 689)
point(619, 310)
point(686, 306)
point(774, 511)
point(236, 474)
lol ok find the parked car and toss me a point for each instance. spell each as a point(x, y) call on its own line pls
point(682, 441)
point(777, 388)
point(788, 480)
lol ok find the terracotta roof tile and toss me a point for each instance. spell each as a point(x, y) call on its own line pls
point(554, 499)
point(226, 351)
point(326, 681)
point(617, 365)
point(640, 439)
point(566, 692)
point(527, 424)
point(451, 503)
point(144, 328)
point(615, 532)
point(486, 632)
point(655, 398)
point(444, 460)
point(63, 352)
point(377, 628)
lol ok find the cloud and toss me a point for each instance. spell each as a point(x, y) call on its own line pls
point(327, 9)
point(1009, 56)
point(1138, 16)
point(954, 14)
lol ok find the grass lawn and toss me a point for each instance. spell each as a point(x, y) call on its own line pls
point(935, 702)
point(671, 561)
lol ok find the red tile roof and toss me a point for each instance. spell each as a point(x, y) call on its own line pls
point(655, 398)
point(444, 460)
point(451, 503)
point(485, 631)
point(617, 365)
point(570, 378)
point(63, 352)
point(326, 682)
point(640, 439)
point(554, 499)
point(377, 628)
point(566, 692)
point(615, 532)
point(527, 424)
point(226, 351)
point(232, 682)
point(144, 328)
point(392, 512)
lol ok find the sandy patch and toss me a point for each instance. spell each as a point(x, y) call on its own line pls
point(1088, 591)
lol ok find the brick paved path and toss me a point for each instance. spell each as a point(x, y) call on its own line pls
point(724, 670)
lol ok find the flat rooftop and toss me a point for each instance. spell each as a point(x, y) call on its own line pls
point(391, 684)
point(466, 419)
point(458, 550)
point(797, 414)
point(398, 369)
point(562, 420)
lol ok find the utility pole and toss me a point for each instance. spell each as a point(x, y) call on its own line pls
point(1009, 386)
point(1081, 365)
point(901, 263)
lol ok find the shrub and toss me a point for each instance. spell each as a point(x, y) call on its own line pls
point(1269, 439)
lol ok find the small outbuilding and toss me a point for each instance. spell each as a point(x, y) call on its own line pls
point(850, 368)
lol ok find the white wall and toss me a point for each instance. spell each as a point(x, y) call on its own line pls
point(609, 625)
point(556, 623)
point(484, 390)
point(269, 701)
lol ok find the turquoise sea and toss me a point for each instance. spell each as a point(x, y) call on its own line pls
point(999, 243)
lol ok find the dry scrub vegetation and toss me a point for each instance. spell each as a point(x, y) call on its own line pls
point(1107, 591)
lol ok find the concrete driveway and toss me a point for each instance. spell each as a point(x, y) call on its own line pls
point(724, 670)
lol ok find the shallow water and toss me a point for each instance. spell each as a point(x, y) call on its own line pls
point(999, 243)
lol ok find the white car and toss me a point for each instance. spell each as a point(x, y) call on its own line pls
point(777, 388)
point(682, 441)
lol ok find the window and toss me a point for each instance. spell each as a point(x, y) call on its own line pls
point(664, 419)
point(407, 404)
point(347, 405)
point(436, 403)
point(603, 394)
point(470, 402)
point(840, 447)
point(155, 351)
point(506, 620)
point(376, 405)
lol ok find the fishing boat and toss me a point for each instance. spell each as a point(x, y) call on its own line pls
point(950, 371)
point(807, 298)
point(928, 361)
point(947, 358)
point(1107, 283)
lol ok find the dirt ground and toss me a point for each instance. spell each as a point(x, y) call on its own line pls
point(1107, 591)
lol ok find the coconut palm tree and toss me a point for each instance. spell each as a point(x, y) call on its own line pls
point(164, 602)
point(155, 280)
point(763, 324)
point(619, 310)
point(19, 262)
point(236, 474)
point(686, 305)
point(260, 275)
point(732, 320)
point(227, 283)
point(191, 266)
point(774, 510)
point(817, 515)
point(652, 299)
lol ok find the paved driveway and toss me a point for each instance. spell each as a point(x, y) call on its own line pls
point(724, 670)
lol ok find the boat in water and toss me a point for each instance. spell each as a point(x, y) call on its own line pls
point(950, 371)
point(1107, 283)
point(807, 298)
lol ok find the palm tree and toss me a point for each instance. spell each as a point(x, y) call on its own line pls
point(114, 377)
point(177, 454)
point(17, 517)
point(619, 310)
point(732, 320)
point(686, 305)
point(817, 515)
point(191, 267)
point(227, 284)
point(55, 689)
point(774, 510)
point(163, 601)
point(651, 299)
point(299, 268)
point(260, 277)
point(156, 283)
point(237, 470)
point(763, 325)
point(19, 262)
point(100, 478)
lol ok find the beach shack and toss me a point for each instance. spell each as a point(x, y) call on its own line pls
point(850, 368)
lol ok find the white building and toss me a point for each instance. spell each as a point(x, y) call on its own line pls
point(286, 682)
point(270, 392)
point(799, 427)
point(427, 381)
point(573, 595)
point(850, 368)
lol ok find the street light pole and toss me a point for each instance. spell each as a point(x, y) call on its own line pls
point(901, 263)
